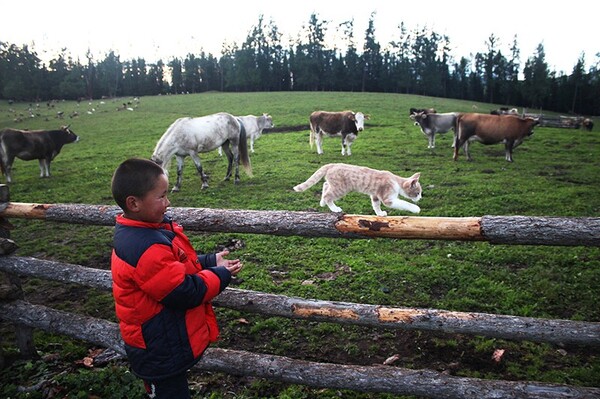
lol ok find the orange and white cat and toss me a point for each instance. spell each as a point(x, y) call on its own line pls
point(382, 186)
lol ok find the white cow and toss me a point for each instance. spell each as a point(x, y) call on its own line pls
point(254, 126)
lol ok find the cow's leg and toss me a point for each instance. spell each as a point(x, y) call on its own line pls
point(318, 142)
point(376, 203)
point(467, 153)
point(252, 144)
point(348, 140)
point(431, 140)
point(457, 144)
point(43, 168)
point(8, 168)
point(508, 148)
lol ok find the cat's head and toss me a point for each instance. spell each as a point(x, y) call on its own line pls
point(412, 187)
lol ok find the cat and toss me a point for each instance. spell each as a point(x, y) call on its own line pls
point(383, 186)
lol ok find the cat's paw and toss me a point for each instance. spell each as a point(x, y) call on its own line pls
point(382, 213)
point(335, 209)
point(415, 209)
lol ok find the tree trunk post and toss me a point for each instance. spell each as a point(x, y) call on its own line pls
point(11, 285)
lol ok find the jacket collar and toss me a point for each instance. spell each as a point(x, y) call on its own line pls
point(122, 220)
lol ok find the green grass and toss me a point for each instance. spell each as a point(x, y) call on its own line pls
point(556, 173)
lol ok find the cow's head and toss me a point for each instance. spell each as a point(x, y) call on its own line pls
point(268, 121)
point(359, 120)
point(68, 135)
point(414, 112)
point(419, 117)
point(533, 122)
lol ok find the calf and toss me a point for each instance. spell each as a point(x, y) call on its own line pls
point(491, 129)
point(346, 124)
point(588, 124)
point(43, 145)
point(433, 123)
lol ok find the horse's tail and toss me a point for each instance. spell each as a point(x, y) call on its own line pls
point(314, 179)
point(3, 156)
point(243, 150)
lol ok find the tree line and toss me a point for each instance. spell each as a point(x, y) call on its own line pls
point(418, 61)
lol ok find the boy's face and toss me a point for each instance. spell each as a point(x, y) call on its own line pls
point(151, 207)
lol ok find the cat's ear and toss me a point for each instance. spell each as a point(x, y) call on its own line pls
point(414, 179)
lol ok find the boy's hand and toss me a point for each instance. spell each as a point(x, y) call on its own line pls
point(233, 265)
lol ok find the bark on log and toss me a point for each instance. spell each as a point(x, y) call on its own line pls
point(541, 230)
point(387, 379)
point(379, 378)
point(512, 230)
point(560, 332)
point(97, 331)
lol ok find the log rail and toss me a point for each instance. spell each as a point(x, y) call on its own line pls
point(506, 230)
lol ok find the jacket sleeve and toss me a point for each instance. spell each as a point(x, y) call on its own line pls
point(162, 276)
point(207, 260)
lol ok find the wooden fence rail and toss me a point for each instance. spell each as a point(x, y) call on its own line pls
point(560, 332)
point(386, 379)
point(511, 230)
point(515, 230)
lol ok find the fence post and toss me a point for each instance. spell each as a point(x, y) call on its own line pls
point(10, 286)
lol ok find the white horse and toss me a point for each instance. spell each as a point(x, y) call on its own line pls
point(254, 126)
point(190, 136)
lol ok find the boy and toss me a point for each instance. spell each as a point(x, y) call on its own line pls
point(162, 288)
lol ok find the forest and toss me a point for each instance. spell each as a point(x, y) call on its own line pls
point(418, 62)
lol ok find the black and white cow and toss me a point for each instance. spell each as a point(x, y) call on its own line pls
point(346, 124)
point(432, 123)
point(588, 124)
point(505, 111)
point(43, 145)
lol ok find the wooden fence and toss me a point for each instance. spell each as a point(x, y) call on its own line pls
point(561, 121)
point(426, 383)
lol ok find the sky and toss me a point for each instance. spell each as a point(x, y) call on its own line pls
point(163, 30)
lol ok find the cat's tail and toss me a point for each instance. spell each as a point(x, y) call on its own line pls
point(314, 179)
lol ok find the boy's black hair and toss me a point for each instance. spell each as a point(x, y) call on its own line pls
point(135, 177)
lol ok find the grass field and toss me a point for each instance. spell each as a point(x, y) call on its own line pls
point(556, 172)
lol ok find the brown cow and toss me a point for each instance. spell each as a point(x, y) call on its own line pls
point(42, 145)
point(492, 129)
point(346, 124)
